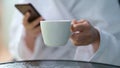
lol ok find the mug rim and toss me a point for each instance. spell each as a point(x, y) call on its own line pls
point(56, 21)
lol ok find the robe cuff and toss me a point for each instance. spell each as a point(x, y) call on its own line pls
point(108, 46)
point(102, 45)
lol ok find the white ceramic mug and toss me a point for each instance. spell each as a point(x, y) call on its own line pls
point(56, 32)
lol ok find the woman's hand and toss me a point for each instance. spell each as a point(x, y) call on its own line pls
point(31, 28)
point(83, 33)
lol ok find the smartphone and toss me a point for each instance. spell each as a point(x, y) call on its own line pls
point(23, 8)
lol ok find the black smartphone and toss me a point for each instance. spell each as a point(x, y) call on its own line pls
point(23, 8)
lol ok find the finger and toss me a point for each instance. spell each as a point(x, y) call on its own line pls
point(82, 39)
point(83, 26)
point(74, 38)
point(77, 26)
point(36, 22)
point(26, 17)
point(77, 39)
point(37, 30)
point(73, 22)
point(78, 36)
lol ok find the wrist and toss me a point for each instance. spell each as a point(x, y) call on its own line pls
point(30, 41)
point(96, 42)
point(30, 35)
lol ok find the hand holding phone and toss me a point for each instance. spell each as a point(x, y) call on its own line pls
point(31, 20)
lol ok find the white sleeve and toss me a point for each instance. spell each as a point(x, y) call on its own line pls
point(17, 45)
point(109, 49)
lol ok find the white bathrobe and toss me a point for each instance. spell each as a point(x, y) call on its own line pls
point(104, 15)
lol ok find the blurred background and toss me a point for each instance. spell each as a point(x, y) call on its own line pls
point(7, 15)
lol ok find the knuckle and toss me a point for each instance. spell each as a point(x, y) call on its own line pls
point(86, 23)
